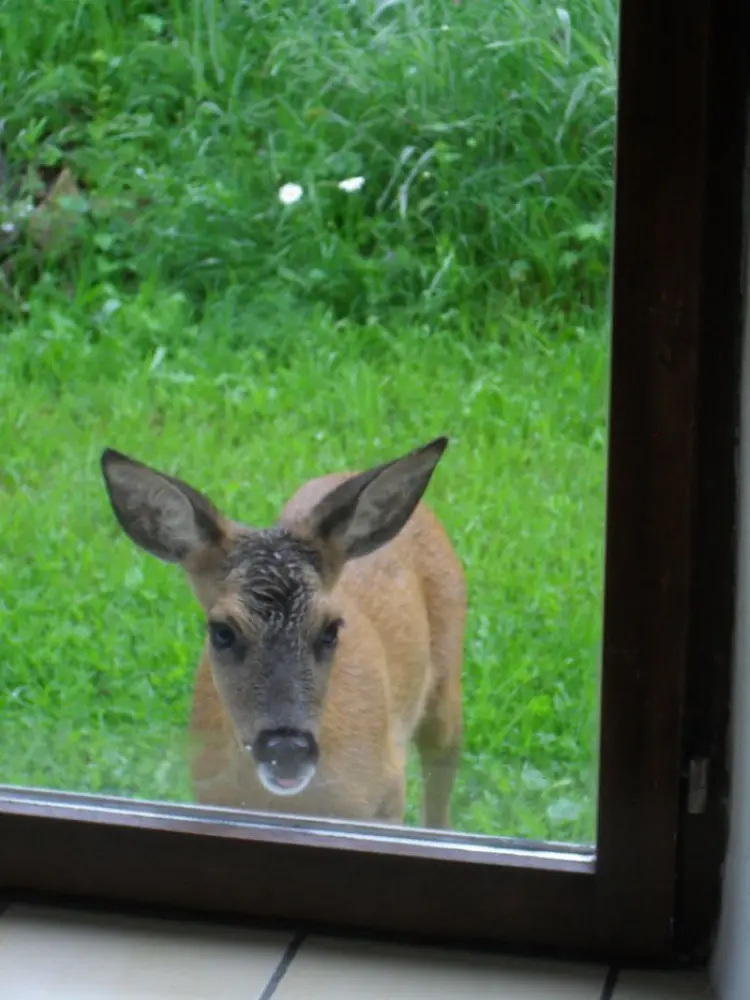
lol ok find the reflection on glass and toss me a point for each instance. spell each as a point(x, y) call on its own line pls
point(254, 245)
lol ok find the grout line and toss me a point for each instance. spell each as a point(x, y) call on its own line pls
point(610, 983)
point(283, 967)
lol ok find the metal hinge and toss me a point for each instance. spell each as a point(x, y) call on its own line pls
point(697, 785)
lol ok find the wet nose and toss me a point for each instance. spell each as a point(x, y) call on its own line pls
point(285, 751)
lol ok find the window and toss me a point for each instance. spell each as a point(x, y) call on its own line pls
point(667, 599)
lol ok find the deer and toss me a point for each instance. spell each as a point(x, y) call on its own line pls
point(334, 639)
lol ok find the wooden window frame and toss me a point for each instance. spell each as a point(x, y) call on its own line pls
point(652, 889)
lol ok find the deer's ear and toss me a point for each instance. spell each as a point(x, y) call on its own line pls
point(162, 515)
point(371, 508)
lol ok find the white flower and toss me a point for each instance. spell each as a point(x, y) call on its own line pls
point(563, 17)
point(352, 184)
point(290, 193)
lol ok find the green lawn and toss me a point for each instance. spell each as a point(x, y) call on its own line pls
point(176, 310)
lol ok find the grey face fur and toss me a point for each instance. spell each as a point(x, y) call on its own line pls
point(272, 626)
point(272, 638)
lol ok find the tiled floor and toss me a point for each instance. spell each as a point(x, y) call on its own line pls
point(67, 955)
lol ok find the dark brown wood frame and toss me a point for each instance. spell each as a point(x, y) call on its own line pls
point(651, 892)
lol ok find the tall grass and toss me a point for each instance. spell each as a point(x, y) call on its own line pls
point(483, 131)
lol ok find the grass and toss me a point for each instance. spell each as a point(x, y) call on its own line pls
point(181, 313)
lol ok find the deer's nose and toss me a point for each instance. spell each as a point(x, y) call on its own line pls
point(285, 751)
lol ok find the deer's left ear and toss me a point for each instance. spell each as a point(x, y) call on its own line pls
point(370, 509)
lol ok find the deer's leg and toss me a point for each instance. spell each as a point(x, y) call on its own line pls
point(392, 806)
point(438, 740)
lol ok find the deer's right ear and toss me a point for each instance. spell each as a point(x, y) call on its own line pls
point(162, 515)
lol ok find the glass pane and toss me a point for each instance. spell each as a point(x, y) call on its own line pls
point(252, 244)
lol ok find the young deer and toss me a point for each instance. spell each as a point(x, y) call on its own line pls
point(333, 639)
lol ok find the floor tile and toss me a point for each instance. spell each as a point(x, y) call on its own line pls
point(68, 955)
point(326, 969)
point(636, 985)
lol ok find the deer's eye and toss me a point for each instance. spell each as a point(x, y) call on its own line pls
point(222, 636)
point(329, 636)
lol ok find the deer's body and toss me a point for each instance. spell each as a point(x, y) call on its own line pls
point(394, 675)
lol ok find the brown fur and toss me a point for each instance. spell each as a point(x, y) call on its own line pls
point(395, 675)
